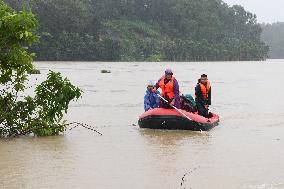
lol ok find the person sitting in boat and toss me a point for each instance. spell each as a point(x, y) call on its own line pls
point(203, 95)
point(170, 90)
point(187, 103)
point(151, 98)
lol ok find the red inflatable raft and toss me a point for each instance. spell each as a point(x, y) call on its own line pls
point(171, 119)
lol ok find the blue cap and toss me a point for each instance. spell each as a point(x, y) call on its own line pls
point(150, 83)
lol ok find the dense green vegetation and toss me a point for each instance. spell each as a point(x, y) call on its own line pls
point(42, 113)
point(139, 30)
point(273, 35)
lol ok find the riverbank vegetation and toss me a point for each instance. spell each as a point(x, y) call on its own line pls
point(273, 35)
point(20, 114)
point(145, 30)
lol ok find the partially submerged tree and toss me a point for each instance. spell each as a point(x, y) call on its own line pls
point(41, 115)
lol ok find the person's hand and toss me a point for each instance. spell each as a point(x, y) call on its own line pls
point(206, 107)
point(172, 103)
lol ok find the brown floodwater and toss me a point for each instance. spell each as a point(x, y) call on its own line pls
point(244, 152)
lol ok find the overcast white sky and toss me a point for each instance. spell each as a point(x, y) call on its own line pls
point(268, 11)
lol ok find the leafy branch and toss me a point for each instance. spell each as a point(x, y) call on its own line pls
point(41, 115)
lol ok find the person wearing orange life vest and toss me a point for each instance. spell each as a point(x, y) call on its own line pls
point(170, 90)
point(203, 95)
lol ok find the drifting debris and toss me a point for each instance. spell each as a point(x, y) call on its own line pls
point(105, 71)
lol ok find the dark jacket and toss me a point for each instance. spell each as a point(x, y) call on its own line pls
point(199, 98)
point(187, 103)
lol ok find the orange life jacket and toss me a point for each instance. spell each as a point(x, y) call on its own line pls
point(168, 89)
point(205, 89)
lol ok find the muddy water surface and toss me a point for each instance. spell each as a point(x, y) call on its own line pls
point(244, 152)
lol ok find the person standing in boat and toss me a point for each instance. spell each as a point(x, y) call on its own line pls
point(151, 98)
point(203, 95)
point(170, 90)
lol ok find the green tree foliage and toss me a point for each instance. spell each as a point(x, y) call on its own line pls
point(19, 114)
point(273, 35)
point(129, 30)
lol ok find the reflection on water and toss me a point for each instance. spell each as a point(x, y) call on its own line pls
point(244, 151)
point(173, 138)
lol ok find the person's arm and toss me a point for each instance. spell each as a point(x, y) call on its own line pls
point(157, 86)
point(157, 99)
point(209, 97)
point(146, 103)
point(176, 89)
point(176, 100)
point(199, 96)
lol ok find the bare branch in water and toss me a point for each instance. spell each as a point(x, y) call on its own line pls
point(183, 179)
point(83, 125)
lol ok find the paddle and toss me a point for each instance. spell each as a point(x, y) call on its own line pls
point(174, 107)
